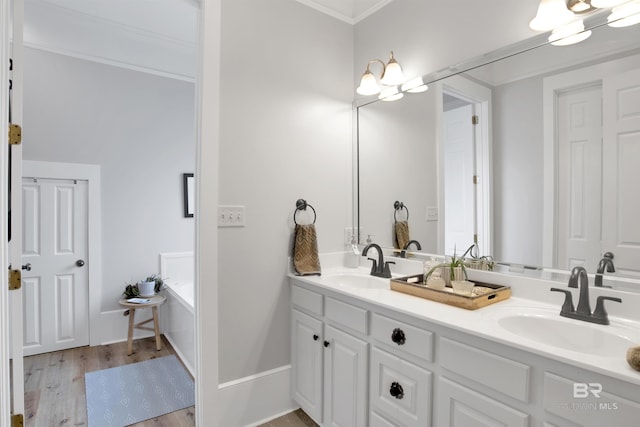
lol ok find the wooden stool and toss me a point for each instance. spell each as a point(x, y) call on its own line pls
point(154, 302)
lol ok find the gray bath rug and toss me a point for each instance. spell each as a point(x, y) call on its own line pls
point(128, 394)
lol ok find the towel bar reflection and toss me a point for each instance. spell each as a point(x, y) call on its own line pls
point(398, 206)
point(302, 205)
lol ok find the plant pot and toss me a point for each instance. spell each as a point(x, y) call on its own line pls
point(445, 273)
point(147, 289)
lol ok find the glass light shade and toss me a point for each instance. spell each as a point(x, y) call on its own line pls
point(392, 74)
point(625, 15)
point(390, 94)
point(606, 3)
point(569, 34)
point(368, 84)
point(551, 14)
point(414, 86)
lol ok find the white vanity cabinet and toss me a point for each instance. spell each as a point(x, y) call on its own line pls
point(367, 362)
point(329, 366)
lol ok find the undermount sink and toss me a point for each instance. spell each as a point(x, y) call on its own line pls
point(546, 327)
point(354, 280)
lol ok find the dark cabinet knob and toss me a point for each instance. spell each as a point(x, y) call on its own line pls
point(396, 390)
point(315, 337)
point(326, 343)
point(397, 336)
point(80, 262)
point(27, 266)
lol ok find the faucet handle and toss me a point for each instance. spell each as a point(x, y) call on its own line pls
point(600, 312)
point(387, 271)
point(567, 306)
point(374, 266)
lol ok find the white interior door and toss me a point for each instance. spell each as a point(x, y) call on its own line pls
point(55, 224)
point(459, 169)
point(621, 160)
point(579, 178)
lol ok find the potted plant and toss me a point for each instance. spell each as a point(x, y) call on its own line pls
point(145, 288)
point(456, 267)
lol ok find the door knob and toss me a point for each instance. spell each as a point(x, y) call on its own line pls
point(80, 262)
point(27, 266)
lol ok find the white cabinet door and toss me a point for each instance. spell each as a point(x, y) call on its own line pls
point(459, 406)
point(306, 363)
point(345, 379)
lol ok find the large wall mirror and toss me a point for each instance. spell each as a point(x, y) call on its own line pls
point(535, 155)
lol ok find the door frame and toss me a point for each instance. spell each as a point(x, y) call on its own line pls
point(551, 87)
point(481, 98)
point(90, 173)
point(5, 375)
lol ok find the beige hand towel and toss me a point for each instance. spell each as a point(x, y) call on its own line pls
point(305, 251)
point(401, 234)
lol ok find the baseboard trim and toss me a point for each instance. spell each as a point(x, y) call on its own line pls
point(256, 399)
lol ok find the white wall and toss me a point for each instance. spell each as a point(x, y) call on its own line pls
point(140, 129)
point(285, 134)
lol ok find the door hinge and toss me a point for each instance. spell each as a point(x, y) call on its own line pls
point(476, 179)
point(15, 280)
point(15, 134)
point(17, 420)
point(475, 119)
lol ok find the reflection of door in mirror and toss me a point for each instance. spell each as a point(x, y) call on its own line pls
point(465, 175)
point(598, 149)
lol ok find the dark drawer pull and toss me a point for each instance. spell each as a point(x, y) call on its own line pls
point(398, 337)
point(326, 343)
point(396, 390)
point(315, 337)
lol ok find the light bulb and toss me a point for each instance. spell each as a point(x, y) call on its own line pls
point(390, 94)
point(392, 74)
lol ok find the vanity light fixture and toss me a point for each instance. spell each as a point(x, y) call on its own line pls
point(414, 86)
point(569, 34)
point(580, 6)
point(391, 76)
point(625, 15)
point(551, 14)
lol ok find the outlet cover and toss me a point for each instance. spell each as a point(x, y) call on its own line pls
point(231, 216)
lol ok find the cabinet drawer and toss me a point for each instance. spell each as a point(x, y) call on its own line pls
point(588, 403)
point(459, 406)
point(497, 372)
point(402, 336)
point(400, 390)
point(307, 300)
point(347, 315)
point(376, 420)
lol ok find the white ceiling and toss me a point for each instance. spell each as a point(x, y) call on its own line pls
point(350, 11)
point(157, 36)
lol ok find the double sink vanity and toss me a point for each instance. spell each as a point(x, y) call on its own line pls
point(365, 355)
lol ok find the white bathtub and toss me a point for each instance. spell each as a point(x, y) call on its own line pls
point(178, 315)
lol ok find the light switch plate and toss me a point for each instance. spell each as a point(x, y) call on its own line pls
point(231, 216)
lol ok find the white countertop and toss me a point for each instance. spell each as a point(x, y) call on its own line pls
point(527, 294)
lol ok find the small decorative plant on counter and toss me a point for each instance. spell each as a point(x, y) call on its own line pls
point(144, 288)
point(456, 268)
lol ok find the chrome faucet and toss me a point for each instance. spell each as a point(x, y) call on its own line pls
point(379, 268)
point(583, 312)
point(605, 262)
point(403, 252)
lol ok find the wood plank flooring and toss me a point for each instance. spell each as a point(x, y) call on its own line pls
point(55, 389)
